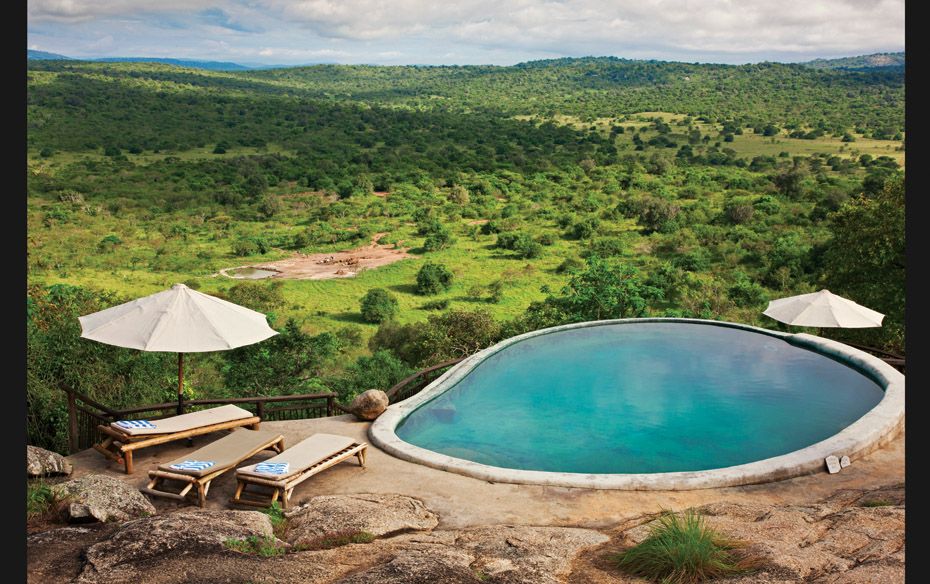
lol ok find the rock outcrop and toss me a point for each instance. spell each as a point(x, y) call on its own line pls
point(42, 462)
point(143, 544)
point(379, 515)
point(854, 536)
point(498, 553)
point(101, 498)
point(369, 405)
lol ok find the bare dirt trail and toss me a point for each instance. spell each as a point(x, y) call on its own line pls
point(340, 264)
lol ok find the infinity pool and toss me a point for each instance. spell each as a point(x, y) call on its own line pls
point(641, 397)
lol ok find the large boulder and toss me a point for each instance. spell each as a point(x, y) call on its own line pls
point(42, 462)
point(380, 515)
point(184, 538)
point(98, 497)
point(369, 405)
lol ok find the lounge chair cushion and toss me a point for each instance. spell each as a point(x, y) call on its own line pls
point(302, 455)
point(189, 421)
point(228, 451)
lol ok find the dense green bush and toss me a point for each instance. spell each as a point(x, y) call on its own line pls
point(378, 305)
point(433, 279)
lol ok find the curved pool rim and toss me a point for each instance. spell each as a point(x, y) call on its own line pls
point(877, 427)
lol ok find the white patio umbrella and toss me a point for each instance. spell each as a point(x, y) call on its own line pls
point(822, 309)
point(179, 320)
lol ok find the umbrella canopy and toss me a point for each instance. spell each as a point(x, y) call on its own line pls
point(179, 320)
point(823, 309)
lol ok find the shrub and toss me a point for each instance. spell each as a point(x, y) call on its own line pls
point(569, 265)
point(244, 247)
point(739, 213)
point(108, 243)
point(46, 152)
point(257, 295)
point(39, 498)
point(586, 228)
point(681, 549)
point(433, 279)
point(746, 293)
point(265, 547)
point(496, 291)
point(439, 237)
point(605, 247)
point(436, 305)
point(378, 305)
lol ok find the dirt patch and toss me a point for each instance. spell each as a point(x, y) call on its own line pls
point(382, 194)
point(340, 264)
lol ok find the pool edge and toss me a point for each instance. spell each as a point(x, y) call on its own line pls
point(873, 430)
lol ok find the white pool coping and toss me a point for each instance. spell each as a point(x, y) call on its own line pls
point(873, 430)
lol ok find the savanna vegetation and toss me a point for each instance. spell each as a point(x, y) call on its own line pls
point(528, 196)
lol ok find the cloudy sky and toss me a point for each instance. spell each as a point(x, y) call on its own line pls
point(501, 32)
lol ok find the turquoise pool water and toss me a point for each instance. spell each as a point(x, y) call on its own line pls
point(641, 398)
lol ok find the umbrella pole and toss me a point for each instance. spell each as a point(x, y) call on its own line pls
point(190, 441)
point(180, 383)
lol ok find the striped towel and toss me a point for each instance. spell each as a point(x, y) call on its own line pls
point(274, 468)
point(135, 424)
point(193, 465)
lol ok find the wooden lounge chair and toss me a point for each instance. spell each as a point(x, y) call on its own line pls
point(224, 453)
point(305, 459)
point(120, 442)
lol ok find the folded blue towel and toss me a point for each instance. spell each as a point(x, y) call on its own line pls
point(274, 468)
point(193, 465)
point(135, 424)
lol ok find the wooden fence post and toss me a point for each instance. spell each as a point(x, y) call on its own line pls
point(72, 424)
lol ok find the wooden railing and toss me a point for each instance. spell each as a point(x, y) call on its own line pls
point(411, 385)
point(84, 414)
point(893, 359)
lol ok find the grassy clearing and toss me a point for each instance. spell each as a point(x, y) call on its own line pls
point(747, 144)
point(681, 549)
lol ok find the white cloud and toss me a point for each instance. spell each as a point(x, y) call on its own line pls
point(82, 10)
point(716, 25)
point(501, 31)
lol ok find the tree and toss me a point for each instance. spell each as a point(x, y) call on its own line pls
point(438, 237)
point(603, 291)
point(378, 305)
point(865, 261)
point(433, 279)
point(289, 362)
point(452, 334)
point(788, 182)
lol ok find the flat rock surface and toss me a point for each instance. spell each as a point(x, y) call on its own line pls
point(101, 498)
point(377, 514)
point(42, 462)
point(853, 536)
point(138, 548)
point(841, 539)
point(497, 553)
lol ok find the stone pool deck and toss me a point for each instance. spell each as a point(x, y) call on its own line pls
point(463, 501)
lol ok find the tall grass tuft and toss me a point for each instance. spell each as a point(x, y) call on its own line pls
point(40, 499)
point(681, 549)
